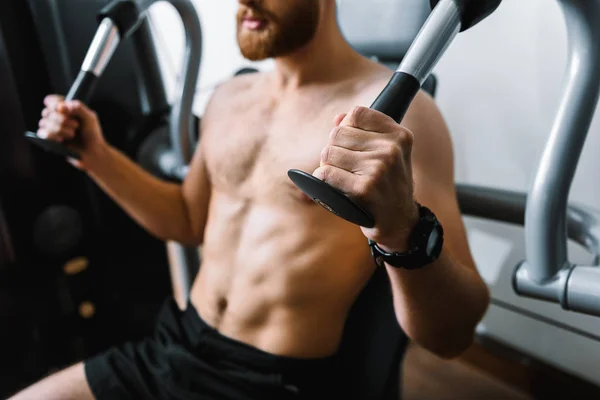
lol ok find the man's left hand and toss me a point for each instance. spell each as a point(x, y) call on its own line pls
point(368, 158)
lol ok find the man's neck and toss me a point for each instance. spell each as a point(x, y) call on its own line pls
point(327, 58)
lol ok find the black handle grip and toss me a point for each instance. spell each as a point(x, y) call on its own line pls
point(83, 87)
point(396, 97)
point(82, 90)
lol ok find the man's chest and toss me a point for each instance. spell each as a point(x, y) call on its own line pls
point(250, 155)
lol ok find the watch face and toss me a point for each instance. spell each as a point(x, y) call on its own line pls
point(433, 241)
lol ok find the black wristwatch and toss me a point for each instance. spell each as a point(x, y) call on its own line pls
point(426, 241)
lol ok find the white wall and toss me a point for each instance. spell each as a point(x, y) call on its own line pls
point(499, 88)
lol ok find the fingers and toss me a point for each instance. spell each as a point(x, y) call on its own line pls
point(355, 139)
point(61, 119)
point(370, 120)
point(347, 182)
point(74, 109)
point(339, 178)
point(80, 111)
point(345, 159)
point(56, 134)
point(52, 101)
point(338, 119)
point(57, 124)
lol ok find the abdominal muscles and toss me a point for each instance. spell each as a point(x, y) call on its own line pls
point(280, 278)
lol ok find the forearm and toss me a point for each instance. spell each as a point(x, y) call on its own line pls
point(440, 305)
point(156, 205)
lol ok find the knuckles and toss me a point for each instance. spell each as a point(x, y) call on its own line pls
point(358, 115)
point(392, 154)
point(398, 147)
point(364, 188)
point(405, 138)
point(325, 173)
point(326, 154)
point(335, 134)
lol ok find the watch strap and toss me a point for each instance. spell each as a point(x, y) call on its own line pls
point(422, 250)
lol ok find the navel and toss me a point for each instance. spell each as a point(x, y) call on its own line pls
point(222, 305)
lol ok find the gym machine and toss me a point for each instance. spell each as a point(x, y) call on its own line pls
point(118, 21)
point(547, 273)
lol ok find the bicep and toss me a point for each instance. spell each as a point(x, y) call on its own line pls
point(433, 171)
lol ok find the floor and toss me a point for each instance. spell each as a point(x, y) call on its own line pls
point(427, 377)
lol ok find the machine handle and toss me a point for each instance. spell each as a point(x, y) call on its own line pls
point(396, 97)
point(83, 88)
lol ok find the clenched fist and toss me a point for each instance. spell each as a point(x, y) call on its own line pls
point(368, 158)
point(74, 124)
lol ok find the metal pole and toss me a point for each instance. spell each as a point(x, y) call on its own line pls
point(545, 226)
point(183, 261)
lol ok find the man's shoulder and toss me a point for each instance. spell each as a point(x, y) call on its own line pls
point(238, 83)
point(226, 92)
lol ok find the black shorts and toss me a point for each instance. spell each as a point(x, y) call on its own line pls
point(188, 359)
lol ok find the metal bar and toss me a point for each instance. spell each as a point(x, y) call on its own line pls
point(545, 220)
point(183, 265)
point(494, 204)
point(103, 47)
point(181, 119)
point(582, 294)
point(433, 39)
point(183, 261)
point(574, 287)
point(583, 224)
point(154, 96)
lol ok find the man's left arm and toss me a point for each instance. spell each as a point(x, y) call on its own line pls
point(386, 167)
point(439, 305)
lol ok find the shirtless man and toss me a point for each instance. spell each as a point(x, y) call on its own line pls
point(280, 273)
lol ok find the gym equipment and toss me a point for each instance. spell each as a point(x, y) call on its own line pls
point(118, 21)
point(7, 255)
point(58, 230)
point(550, 221)
point(449, 17)
point(547, 273)
point(106, 41)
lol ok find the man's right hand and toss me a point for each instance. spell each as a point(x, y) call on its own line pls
point(63, 121)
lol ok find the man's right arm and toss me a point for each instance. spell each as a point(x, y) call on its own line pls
point(166, 210)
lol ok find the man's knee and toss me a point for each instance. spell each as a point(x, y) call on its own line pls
point(68, 384)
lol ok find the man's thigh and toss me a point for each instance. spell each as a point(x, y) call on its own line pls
point(68, 384)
